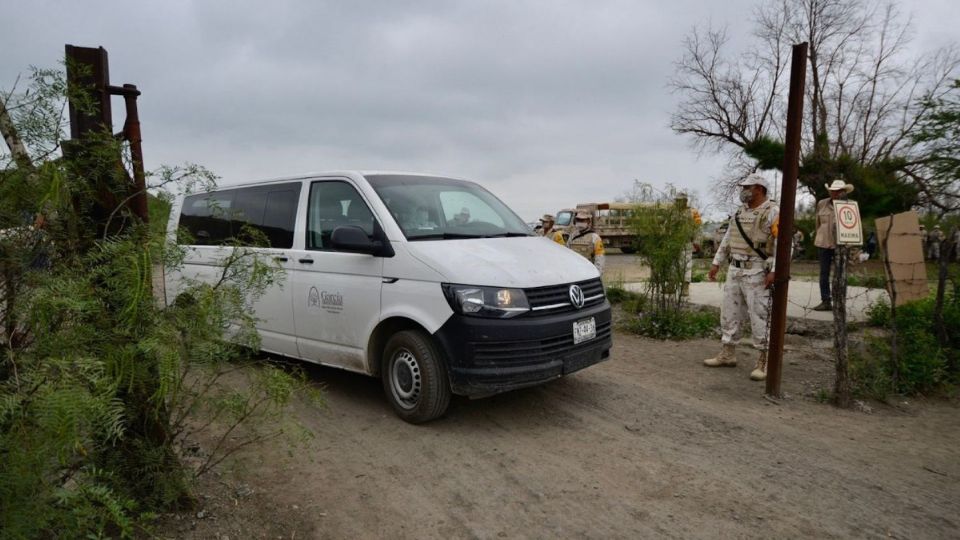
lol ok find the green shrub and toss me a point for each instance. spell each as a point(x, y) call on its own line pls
point(675, 324)
point(923, 364)
point(99, 384)
point(878, 313)
point(617, 294)
point(869, 281)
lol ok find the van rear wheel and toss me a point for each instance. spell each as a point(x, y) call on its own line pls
point(414, 377)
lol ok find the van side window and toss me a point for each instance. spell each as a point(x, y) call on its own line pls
point(217, 218)
point(280, 215)
point(205, 217)
point(332, 204)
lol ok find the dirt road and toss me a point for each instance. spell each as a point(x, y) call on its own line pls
point(647, 444)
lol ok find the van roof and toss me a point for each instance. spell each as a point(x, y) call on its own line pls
point(341, 172)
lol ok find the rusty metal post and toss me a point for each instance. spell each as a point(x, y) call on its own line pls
point(131, 131)
point(88, 72)
point(788, 201)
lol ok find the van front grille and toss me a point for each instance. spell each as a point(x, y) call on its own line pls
point(556, 298)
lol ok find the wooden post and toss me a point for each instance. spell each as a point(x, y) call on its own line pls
point(838, 292)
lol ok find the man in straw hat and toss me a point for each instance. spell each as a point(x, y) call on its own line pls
point(547, 231)
point(748, 244)
point(826, 237)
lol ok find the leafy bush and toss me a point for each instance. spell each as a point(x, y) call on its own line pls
point(664, 232)
point(675, 324)
point(616, 294)
point(99, 384)
point(869, 281)
point(923, 364)
point(878, 313)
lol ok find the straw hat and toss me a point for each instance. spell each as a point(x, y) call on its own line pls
point(839, 185)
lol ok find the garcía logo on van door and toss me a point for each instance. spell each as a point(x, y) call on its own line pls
point(331, 302)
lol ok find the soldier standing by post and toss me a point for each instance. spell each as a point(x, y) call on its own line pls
point(749, 246)
point(586, 242)
point(826, 237)
point(547, 231)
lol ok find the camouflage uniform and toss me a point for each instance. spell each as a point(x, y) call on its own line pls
point(552, 233)
point(589, 244)
point(556, 236)
point(744, 293)
point(933, 250)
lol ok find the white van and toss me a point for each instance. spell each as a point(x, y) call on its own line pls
point(430, 283)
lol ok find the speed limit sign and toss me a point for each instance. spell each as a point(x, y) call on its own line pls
point(849, 228)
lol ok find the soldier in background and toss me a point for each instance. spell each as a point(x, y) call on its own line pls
point(586, 242)
point(923, 240)
point(748, 245)
point(797, 242)
point(681, 202)
point(547, 231)
point(933, 249)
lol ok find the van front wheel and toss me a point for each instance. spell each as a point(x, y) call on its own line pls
point(414, 377)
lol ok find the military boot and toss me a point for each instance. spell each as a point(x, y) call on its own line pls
point(759, 373)
point(726, 358)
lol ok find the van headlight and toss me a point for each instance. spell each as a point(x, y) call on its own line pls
point(490, 302)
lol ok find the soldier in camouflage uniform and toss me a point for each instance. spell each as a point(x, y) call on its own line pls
point(586, 242)
point(748, 245)
point(547, 230)
point(683, 206)
point(933, 250)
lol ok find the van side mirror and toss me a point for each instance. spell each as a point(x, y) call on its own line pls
point(354, 239)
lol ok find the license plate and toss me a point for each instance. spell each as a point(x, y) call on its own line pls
point(584, 330)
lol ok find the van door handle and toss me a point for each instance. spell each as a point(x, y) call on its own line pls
point(305, 261)
point(281, 259)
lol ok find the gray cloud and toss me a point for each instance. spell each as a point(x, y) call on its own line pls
point(547, 103)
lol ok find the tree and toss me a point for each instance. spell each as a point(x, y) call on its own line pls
point(99, 384)
point(861, 105)
point(937, 143)
point(938, 140)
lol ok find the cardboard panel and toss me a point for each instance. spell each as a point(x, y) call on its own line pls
point(902, 256)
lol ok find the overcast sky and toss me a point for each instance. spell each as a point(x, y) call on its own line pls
point(545, 103)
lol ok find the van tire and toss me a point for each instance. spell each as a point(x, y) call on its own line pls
point(414, 377)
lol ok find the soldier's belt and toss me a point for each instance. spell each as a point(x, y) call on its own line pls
point(747, 265)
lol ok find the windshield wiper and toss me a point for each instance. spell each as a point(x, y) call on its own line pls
point(507, 235)
point(443, 236)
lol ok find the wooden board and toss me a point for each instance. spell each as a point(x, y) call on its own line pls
point(902, 256)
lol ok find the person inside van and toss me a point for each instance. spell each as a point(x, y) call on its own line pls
point(462, 218)
point(421, 219)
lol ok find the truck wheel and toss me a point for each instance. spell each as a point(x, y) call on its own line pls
point(414, 377)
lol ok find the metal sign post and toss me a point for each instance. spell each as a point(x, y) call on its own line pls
point(849, 227)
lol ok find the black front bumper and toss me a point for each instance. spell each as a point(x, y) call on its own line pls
point(488, 356)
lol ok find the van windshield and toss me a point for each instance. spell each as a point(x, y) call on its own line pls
point(434, 208)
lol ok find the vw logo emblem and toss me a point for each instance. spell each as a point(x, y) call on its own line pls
point(576, 296)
